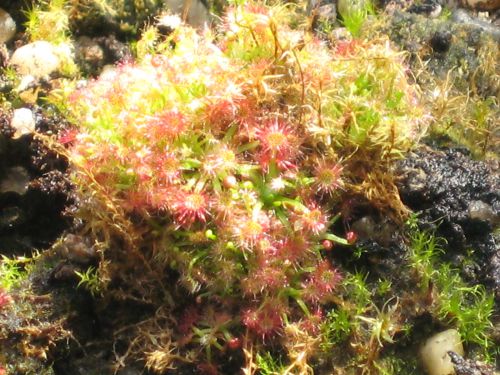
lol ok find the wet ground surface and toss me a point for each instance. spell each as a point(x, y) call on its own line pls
point(451, 193)
point(460, 199)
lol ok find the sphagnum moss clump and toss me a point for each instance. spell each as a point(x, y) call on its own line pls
point(213, 167)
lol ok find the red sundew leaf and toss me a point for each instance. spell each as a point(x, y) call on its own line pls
point(188, 319)
point(345, 48)
point(166, 125)
point(265, 320)
point(5, 299)
point(269, 278)
point(276, 136)
point(311, 220)
point(322, 282)
point(328, 177)
point(189, 207)
point(167, 168)
point(249, 230)
point(293, 249)
point(221, 114)
point(234, 343)
point(279, 143)
point(68, 136)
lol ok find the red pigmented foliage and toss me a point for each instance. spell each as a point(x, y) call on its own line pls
point(328, 177)
point(188, 319)
point(321, 282)
point(227, 149)
point(189, 207)
point(311, 220)
point(68, 136)
point(346, 48)
point(207, 369)
point(249, 230)
point(234, 343)
point(293, 249)
point(266, 320)
point(5, 299)
point(351, 237)
point(278, 142)
point(165, 125)
point(265, 278)
point(312, 323)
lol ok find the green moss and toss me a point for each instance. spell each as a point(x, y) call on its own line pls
point(13, 271)
point(468, 308)
point(335, 329)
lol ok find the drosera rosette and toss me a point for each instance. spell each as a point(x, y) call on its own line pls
point(223, 160)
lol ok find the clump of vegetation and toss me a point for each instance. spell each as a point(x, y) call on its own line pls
point(461, 82)
point(455, 303)
point(31, 320)
point(212, 170)
point(48, 20)
point(126, 17)
point(354, 14)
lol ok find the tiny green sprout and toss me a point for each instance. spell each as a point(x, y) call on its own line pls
point(469, 307)
point(12, 271)
point(384, 325)
point(358, 252)
point(354, 14)
point(357, 291)
point(210, 235)
point(424, 250)
point(335, 329)
point(383, 287)
point(90, 281)
point(269, 365)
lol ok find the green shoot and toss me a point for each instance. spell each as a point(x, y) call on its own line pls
point(48, 21)
point(90, 281)
point(12, 271)
point(268, 365)
point(354, 14)
point(335, 329)
point(469, 307)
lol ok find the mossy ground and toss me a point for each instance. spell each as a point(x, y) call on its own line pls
point(101, 301)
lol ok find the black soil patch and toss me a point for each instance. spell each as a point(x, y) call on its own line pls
point(460, 198)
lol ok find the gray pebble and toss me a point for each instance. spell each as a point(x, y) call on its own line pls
point(38, 59)
point(7, 26)
point(16, 181)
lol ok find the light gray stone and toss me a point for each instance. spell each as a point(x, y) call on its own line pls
point(16, 180)
point(434, 352)
point(482, 211)
point(23, 121)
point(7, 26)
point(38, 59)
point(196, 12)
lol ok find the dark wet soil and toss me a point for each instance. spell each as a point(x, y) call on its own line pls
point(451, 193)
point(35, 218)
point(460, 199)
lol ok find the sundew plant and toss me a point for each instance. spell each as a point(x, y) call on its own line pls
point(213, 168)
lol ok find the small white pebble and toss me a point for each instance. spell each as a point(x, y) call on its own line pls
point(23, 121)
point(38, 59)
point(434, 352)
